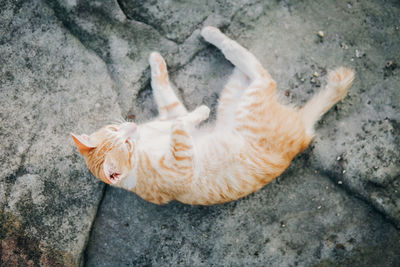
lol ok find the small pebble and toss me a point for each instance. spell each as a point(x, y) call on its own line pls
point(313, 80)
point(315, 74)
point(283, 224)
point(321, 34)
point(344, 171)
point(315, 171)
point(326, 187)
point(390, 65)
point(338, 158)
point(352, 59)
point(359, 53)
point(344, 46)
point(339, 182)
point(319, 207)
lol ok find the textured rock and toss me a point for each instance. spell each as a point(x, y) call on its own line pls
point(177, 20)
point(69, 65)
point(326, 223)
point(363, 130)
point(50, 85)
point(304, 219)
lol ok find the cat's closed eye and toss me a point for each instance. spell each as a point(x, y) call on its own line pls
point(112, 128)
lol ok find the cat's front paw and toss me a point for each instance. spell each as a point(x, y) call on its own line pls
point(212, 35)
point(202, 112)
point(198, 115)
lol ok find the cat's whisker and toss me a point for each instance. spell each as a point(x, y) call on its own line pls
point(119, 120)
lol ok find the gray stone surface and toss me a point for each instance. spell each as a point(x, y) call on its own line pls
point(50, 85)
point(304, 219)
point(69, 65)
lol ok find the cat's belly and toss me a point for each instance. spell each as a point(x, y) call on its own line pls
point(227, 169)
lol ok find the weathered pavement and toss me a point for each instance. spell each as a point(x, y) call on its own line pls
point(76, 65)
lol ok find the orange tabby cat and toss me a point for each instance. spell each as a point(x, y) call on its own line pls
point(253, 141)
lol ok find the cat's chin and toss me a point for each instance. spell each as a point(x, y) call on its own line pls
point(114, 181)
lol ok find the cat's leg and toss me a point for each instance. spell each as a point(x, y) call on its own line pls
point(178, 160)
point(235, 53)
point(168, 103)
point(230, 97)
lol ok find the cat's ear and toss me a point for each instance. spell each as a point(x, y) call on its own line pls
point(111, 170)
point(83, 143)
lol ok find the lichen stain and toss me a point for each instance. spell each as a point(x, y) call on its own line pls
point(17, 248)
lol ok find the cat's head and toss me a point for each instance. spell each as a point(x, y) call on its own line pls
point(109, 151)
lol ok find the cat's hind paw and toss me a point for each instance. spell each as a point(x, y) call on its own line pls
point(340, 81)
point(158, 68)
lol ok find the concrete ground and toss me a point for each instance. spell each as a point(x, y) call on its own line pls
point(73, 66)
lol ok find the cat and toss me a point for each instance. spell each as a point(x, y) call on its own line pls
point(253, 141)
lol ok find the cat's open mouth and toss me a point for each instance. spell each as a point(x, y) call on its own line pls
point(114, 178)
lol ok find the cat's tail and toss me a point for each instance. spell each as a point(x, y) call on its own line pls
point(339, 81)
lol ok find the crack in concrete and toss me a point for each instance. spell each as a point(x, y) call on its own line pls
point(128, 17)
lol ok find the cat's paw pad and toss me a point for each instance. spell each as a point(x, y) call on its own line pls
point(212, 34)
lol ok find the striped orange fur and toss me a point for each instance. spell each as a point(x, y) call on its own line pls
point(252, 142)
